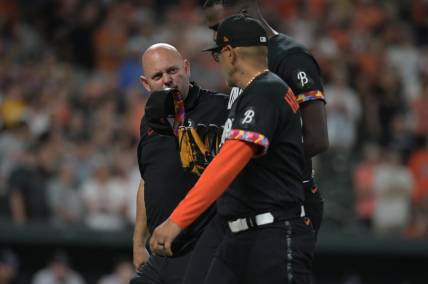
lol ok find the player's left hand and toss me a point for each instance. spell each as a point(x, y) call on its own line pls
point(163, 236)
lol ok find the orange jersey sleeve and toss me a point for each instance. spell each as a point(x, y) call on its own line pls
point(232, 158)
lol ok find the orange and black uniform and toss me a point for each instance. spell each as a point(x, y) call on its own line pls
point(261, 164)
point(166, 183)
point(297, 67)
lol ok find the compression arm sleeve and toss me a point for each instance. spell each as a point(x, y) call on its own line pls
point(220, 173)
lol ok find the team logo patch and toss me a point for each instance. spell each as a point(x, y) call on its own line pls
point(248, 118)
point(302, 79)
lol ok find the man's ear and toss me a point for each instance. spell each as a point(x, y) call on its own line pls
point(232, 55)
point(145, 83)
point(187, 67)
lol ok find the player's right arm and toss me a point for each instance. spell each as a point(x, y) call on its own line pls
point(303, 76)
point(140, 253)
point(310, 94)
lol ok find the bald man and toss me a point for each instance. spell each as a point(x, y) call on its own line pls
point(164, 181)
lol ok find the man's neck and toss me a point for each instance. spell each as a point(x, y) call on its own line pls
point(247, 75)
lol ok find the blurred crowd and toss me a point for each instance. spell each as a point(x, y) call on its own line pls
point(71, 102)
point(59, 269)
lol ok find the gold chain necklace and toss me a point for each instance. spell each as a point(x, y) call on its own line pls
point(255, 76)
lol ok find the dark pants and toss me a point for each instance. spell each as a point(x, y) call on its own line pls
point(204, 251)
point(219, 256)
point(274, 253)
point(213, 235)
point(162, 270)
point(314, 205)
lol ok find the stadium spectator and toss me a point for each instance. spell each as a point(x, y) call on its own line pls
point(104, 200)
point(110, 40)
point(13, 142)
point(122, 273)
point(344, 112)
point(27, 183)
point(401, 137)
point(8, 267)
point(419, 108)
point(58, 271)
point(364, 176)
point(418, 227)
point(393, 185)
point(418, 164)
point(63, 198)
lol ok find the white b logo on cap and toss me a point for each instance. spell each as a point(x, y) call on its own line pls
point(263, 39)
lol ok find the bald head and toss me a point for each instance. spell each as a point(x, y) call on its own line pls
point(159, 51)
point(164, 67)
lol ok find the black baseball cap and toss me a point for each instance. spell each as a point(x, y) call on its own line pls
point(239, 30)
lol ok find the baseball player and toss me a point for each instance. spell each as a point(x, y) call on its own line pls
point(297, 67)
point(261, 164)
point(170, 168)
point(293, 63)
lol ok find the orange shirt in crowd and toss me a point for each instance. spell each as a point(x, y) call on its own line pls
point(418, 164)
point(317, 8)
point(419, 11)
point(363, 184)
point(368, 17)
point(110, 42)
point(9, 10)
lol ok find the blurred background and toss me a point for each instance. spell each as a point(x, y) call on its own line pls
point(71, 104)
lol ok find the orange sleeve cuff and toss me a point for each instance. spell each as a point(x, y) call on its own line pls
point(220, 173)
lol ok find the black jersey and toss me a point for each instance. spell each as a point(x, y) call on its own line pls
point(166, 183)
point(266, 114)
point(293, 63)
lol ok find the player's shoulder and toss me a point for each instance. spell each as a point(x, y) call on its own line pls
point(270, 81)
point(283, 48)
point(282, 44)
